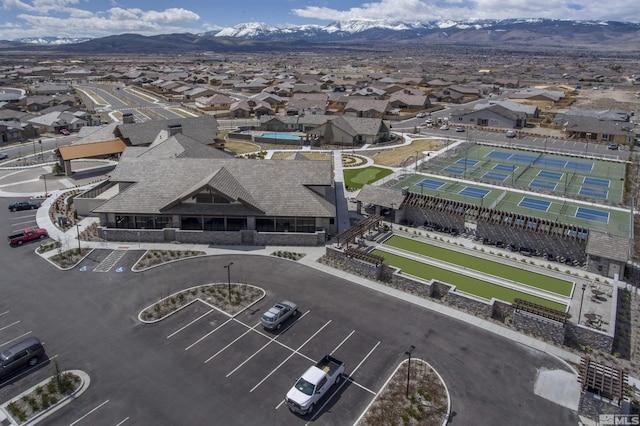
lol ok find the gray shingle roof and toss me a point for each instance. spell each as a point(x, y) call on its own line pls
point(279, 188)
point(202, 129)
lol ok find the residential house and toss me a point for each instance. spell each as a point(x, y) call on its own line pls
point(215, 102)
point(608, 126)
point(458, 94)
point(250, 107)
point(367, 108)
point(203, 129)
point(15, 131)
point(307, 104)
point(407, 100)
point(198, 92)
point(490, 116)
point(350, 131)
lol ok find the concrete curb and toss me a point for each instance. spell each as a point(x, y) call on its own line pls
point(84, 384)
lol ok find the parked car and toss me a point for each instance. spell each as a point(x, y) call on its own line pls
point(444, 127)
point(459, 129)
point(24, 205)
point(3, 155)
point(278, 314)
point(27, 352)
point(64, 132)
point(27, 235)
point(613, 146)
point(421, 115)
point(313, 384)
point(510, 134)
point(428, 122)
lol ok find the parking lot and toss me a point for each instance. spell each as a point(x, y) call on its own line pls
point(199, 366)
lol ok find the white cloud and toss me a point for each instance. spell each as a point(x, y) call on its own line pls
point(171, 15)
point(69, 21)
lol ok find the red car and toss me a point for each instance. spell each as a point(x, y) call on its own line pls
point(64, 132)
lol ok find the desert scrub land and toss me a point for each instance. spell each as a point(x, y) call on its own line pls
point(216, 295)
point(426, 405)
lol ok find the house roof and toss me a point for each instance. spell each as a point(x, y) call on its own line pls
point(277, 188)
point(202, 129)
point(91, 150)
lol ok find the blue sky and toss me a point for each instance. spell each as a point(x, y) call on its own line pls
point(99, 18)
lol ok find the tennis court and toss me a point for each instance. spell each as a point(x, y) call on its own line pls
point(474, 192)
point(605, 183)
point(550, 175)
point(467, 161)
point(592, 214)
point(543, 184)
point(430, 183)
point(500, 177)
point(594, 193)
point(505, 167)
point(455, 170)
point(533, 203)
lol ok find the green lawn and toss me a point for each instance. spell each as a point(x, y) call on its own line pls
point(357, 178)
point(463, 283)
point(507, 272)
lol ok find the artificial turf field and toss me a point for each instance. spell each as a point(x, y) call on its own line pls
point(471, 285)
point(357, 178)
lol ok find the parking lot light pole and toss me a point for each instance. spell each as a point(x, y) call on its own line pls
point(228, 268)
point(408, 352)
point(78, 231)
point(584, 287)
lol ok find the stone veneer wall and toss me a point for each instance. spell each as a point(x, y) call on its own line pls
point(470, 304)
point(215, 237)
point(539, 327)
point(528, 323)
point(589, 337)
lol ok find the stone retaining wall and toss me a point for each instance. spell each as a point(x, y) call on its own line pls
point(534, 325)
point(586, 336)
point(539, 327)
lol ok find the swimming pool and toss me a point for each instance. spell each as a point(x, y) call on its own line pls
point(276, 135)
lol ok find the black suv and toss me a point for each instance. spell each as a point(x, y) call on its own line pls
point(24, 205)
point(27, 352)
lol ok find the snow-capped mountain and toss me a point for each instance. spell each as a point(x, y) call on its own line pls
point(519, 34)
point(382, 29)
point(52, 41)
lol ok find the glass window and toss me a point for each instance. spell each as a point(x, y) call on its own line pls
point(191, 223)
point(305, 225)
point(145, 222)
point(285, 224)
point(265, 224)
point(214, 224)
point(124, 222)
point(236, 224)
point(163, 222)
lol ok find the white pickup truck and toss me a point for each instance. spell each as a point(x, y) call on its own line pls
point(313, 384)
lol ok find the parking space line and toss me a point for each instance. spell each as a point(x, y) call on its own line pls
point(7, 326)
point(341, 343)
point(251, 356)
point(90, 412)
point(15, 338)
point(123, 420)
point(277, 341)
point(293, 352)
point(4, 313)
point(208, 334)
point(358, 366)
point(232, 342)
point(188, 324)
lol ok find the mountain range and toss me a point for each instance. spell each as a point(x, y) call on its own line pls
point(518, 34)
